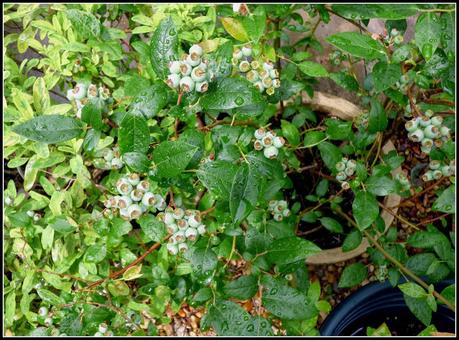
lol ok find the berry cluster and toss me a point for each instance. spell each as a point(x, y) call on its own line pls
point(44, 314)
point(362, 121)
point(108, 159)
point(136, 198)
point(190, 73)
point(183, 225)
point(428, 130)
point(346, 169)
point(336, 57)
point(403, 83)
point(103, 330)
point(268, 141)
point(437, 170)
point(82, 93)
point(36, 216)
point(279, 209)
point(394, 37)
point(263, 75)
point(403, 180)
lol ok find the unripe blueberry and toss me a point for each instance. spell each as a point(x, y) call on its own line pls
point(194, 221)
point(178, 213)
point(196, 49)
point(149, 199)
point(252, 76)
point(274, 73)
point(48, 322)
point(411, 125)
point(30, 213)
point(161, 204)
point(394, 32)
point(234, 61)
point(201, 229)
point(416, 135)
point(169, 218)
point(173, 80)
point(134, 211)
point(79, 92)
point(98, 334)
point(123, 186)
point(428, 176)
point(172, 228)
point(341, 176)
point(179, 236)
point(444, 131)
point(43, 311)
point(263, 74)
point(267, 82)
point(246, 51)
point(174, 67)
point(237, 54)
point(259, 85)
point(431, 131)
point(271, 152)
point(429, 113)
point(426, 149)
point(103, 327)
point(278, 142)
point(282, 204)
point(278, 217)
point(172, 248)
point(351, 164)
point(254, 64)
point(260, 133)
point(424, 121)
point(185, 68)
point(276, 83)
point(345, 185)
point(198, 74)
point(182, 224)
point(349, 171)
point(270, 91)
point(436, 121)
point(202, 86)
point(92, 91)
point(437, 174)
point(70, 94)
point(191, 234)
point(268, 66)
point(182, 247)
point(109, 333)
point(398, 39)
point(434, 164)
point(267, 140)
point(136, 195)
point(244, 66)
point(134, 179)
point(193, 60)
point(286, 212)
point(143, 185)
point(446, 170)
point(116, 163)
point(124, 202)
point(427, 142)
point(143, 207)
point(187, 84)
point(36, 217)
point(340, 166)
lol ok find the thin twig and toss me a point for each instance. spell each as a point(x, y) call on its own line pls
point(400, 218)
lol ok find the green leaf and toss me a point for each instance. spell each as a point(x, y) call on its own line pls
point(150, 100)
point(290, 249)
point(314, 138)
point(358, 45)
point(427, 33)
point(380, 11)
point(50, 129)
point(243, 194)
point(447, 23)
point(235, 28)
point(54, 158)
point(49, 297)
point(92, 115)
point(331, 224)
point(312, 69)
point(345, 80)
point(428, 331)
point(382, 330)
point(330, 154)
point(424, 239)
point(61, 225)
point(385, 75)
point(95, 253)
point(255, 24)
point(290, 132)
point(234, 95)
point(10, 308)
point(352, 240)
point(338, 129)
point(134, 134)
point(377, 120)
point(353, 275)
point(171, 158)
point(380, 185)
point(203, 261)
point(446, 201)
point(449, 293)
point(242, 288)
point(85, 23)
point(412, 289)
point(419, 308)
point(217, 177)
point(365, 209)
point(153, 228)
point(137, 161)
point(91, 140)
point(164, 47)
point(285, 302)
point(41, 99)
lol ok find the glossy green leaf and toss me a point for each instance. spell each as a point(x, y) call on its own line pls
point(171, 158)
point(358, 45)
point(313, 69)
point(164, 47)
point(290, 249)
point(365, 209)
point(243, 194)
point(385, 75)
point(427, 33)
point(242, 288)
point(352, 275)
point(134, 134)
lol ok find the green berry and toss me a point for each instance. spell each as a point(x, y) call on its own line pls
point(173, 80)
point(185, 68)
point(431, 131)
point(172, 249)
point(246, 51)
point(133, 179)
point(202, 86)
point(196, 49)
point(134, 211)
point(411, 125)
point(198, 74)
point(187, 84)
point(341, 176)
point(271, 152)
point(416, 136)
point(244, 66)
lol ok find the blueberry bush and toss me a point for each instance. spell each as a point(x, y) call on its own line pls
point(161, 156)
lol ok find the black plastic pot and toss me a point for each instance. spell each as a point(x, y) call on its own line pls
point(379, 302)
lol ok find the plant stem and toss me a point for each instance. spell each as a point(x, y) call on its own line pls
point(397, 216)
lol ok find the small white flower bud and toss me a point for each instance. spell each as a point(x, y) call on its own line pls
point(36, 217)
point(278, 217)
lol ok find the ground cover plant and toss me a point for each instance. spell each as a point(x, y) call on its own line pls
point(166, 162)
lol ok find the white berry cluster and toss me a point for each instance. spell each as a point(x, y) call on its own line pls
point(108, 159)
point(428, 130)
point(103, 330)
point(263, 75)
point(394, 37)
point(136, 198)
point(403, 180)
point(437, 170)
point(362, 120)
point(268, 141)
point(43, 313)
point(279, 209)
point(403, 83)
point(82, 93)
point(36, 216)
point(183, 225)
point(190, 73)
point(346, 168)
